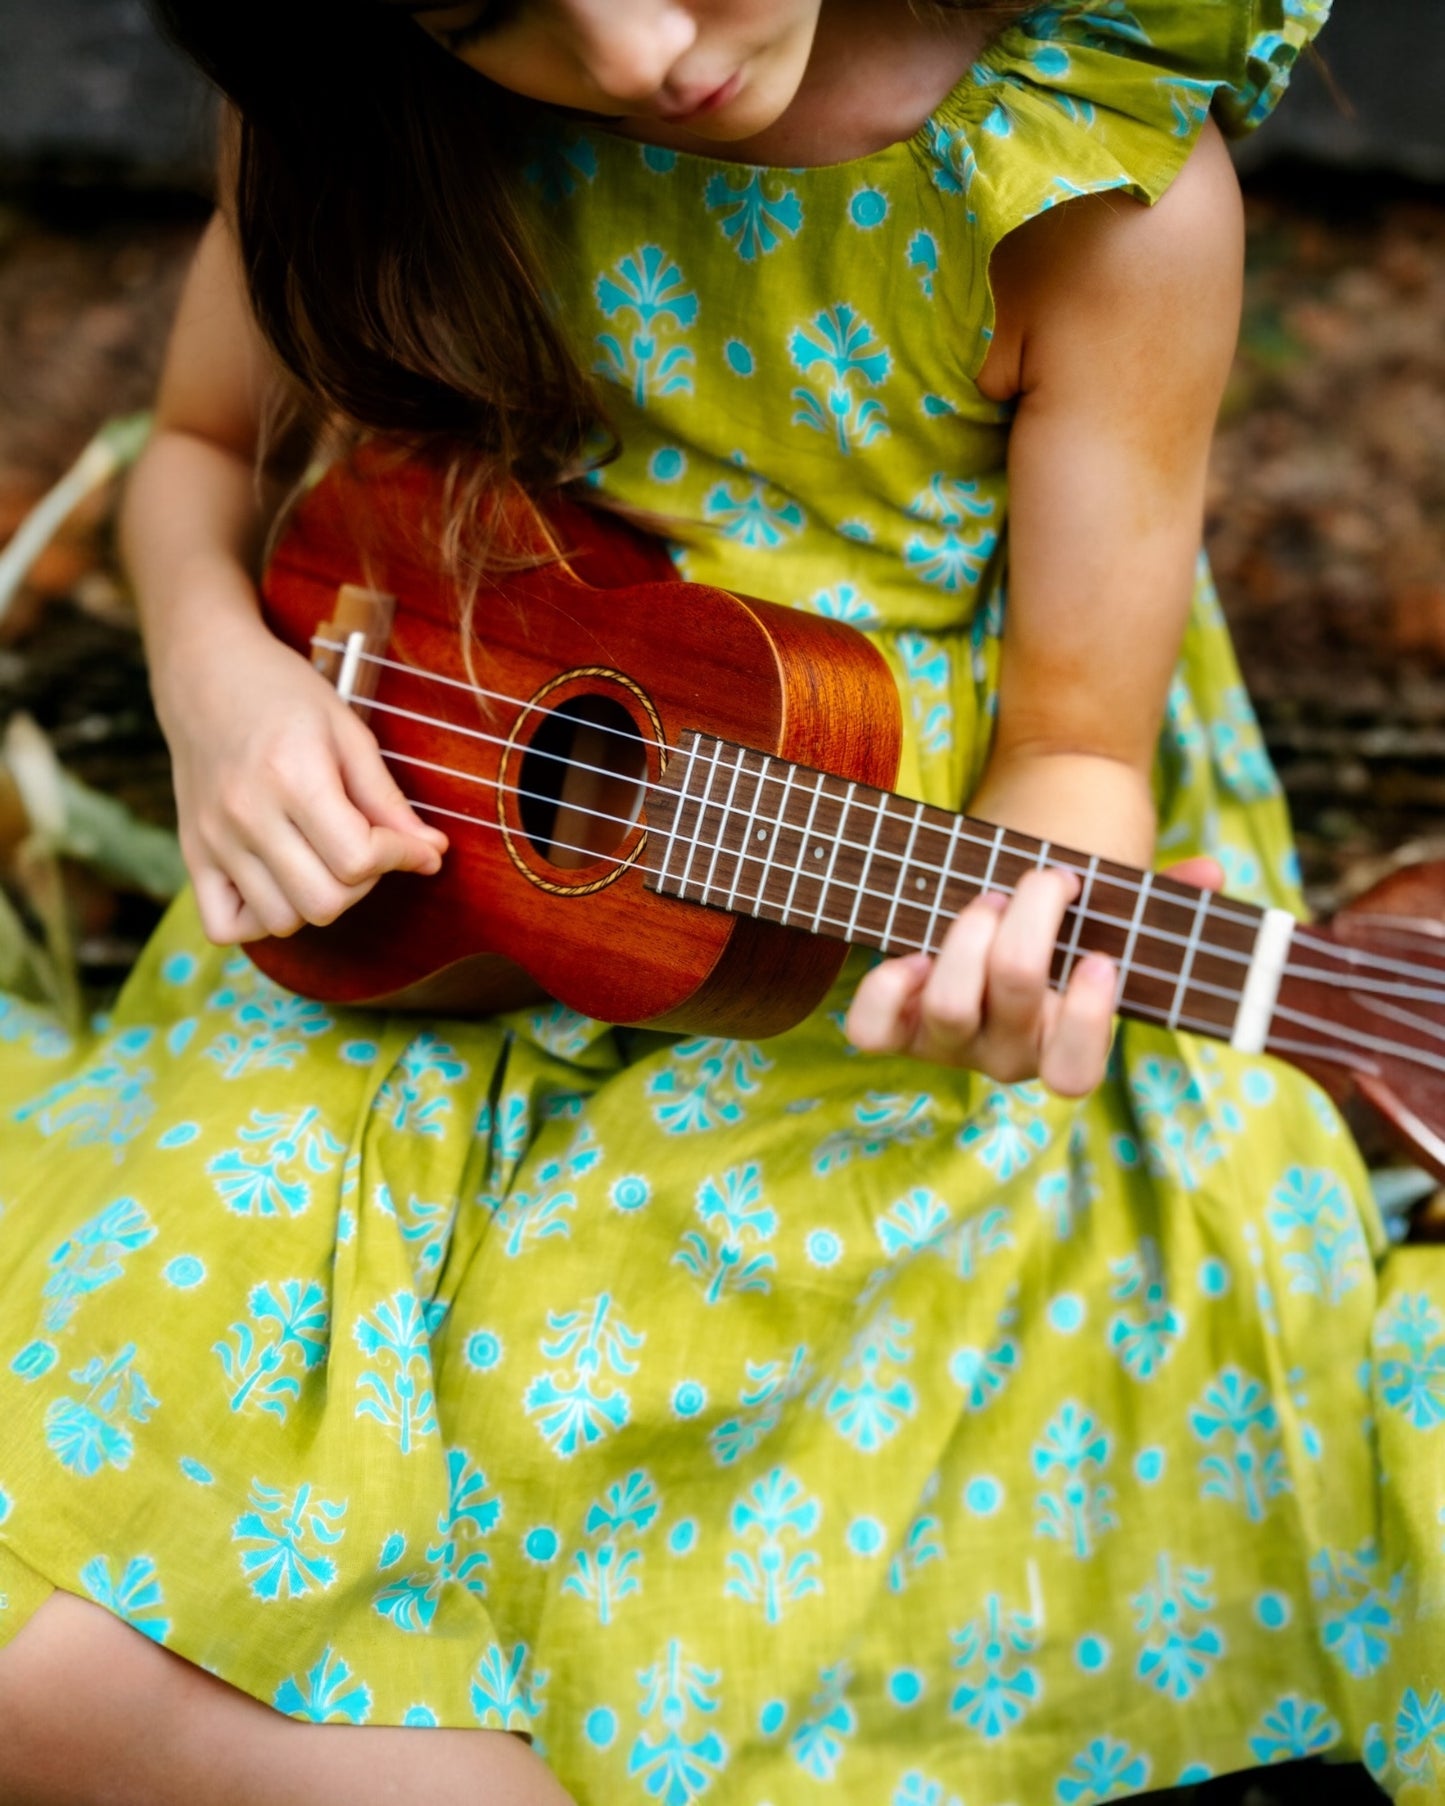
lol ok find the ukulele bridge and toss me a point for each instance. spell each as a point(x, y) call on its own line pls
point(345, 648)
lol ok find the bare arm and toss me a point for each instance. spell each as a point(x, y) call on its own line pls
point(287, 813)
point(192, 524)
point(1122, 325)
point(1116, 328)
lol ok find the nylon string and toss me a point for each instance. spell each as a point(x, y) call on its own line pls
point(1356, 957)
point(1348, 1037)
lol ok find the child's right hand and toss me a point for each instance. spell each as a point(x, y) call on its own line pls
point(287, 812)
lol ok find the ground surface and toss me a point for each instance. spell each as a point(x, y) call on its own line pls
point(1326, 527)
point(1326, 513)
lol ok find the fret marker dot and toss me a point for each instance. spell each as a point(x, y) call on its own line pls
point(762, 834)
point(817, 852)
point(920, 884)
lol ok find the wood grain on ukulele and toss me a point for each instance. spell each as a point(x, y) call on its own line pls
point(670, 805)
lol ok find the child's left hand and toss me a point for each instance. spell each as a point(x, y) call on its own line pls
point(984, 1000)
point(1114, 332)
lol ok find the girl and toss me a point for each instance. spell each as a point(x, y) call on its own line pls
point(928, 1403)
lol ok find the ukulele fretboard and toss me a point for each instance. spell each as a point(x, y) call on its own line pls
point(746, 832)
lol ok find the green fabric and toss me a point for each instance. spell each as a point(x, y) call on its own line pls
point(761, 1422)
point(22, 1593)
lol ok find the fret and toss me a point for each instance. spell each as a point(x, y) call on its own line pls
point(719, 819)
point(886, 936)
point(838, 836)
point(705, 806)
point(945, 873)
point(683, 799)
point(765, 830)
point(1080, 912)
point(1191, 950)
point(1000, 835)
point(861, 889)
point(754, 770)
point(1042, 862)
point(1141, 903)
point(780, 817)
point(695, 796)
point(787, 850)
point(818, 782)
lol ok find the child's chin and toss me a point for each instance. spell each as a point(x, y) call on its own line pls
point(735, 123)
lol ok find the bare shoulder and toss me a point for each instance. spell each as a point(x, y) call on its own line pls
point(1106, 269)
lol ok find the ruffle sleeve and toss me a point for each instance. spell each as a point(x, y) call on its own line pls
point(1082, 96)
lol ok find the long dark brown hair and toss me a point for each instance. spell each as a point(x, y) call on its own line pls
point(371, 178)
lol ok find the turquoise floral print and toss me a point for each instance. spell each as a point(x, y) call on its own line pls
point(744, 1420)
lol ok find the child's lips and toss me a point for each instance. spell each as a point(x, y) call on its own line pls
point(698, 101)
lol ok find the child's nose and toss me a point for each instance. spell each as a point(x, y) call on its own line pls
point(628, 47)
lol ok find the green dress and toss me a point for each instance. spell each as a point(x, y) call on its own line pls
point(761, 1422)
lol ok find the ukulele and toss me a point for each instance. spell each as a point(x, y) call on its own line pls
point(669, 805)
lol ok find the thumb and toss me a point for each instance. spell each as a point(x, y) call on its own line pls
point(395, 851)
point(376, 793)
point(1202, 871)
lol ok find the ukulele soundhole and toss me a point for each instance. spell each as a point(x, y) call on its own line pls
point(581, 781)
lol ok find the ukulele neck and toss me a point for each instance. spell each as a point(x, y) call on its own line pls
point(742, 831)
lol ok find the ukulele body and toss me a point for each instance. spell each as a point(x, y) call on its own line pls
point(541, 744)
point(610, 674)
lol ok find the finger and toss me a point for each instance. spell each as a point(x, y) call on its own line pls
point(1202, 871)
point(352, 848)
point(264, 892)
point(1017, 981)
point(1076, 1039)
point(952, 1006)
point(394, 851)
point(344, 855)
point(375, 792)
point(882, 1017)
point(306, 882)
point(272, 865)
point(312, 866)
point(226, 918)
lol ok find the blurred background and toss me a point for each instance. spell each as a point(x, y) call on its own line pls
point(1327, 514)
point(1327, 506)
point(1326, 511)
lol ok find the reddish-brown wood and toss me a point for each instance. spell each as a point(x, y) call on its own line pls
point(587, 608)
point(667, 653)
point(743, 830)
point(1402, 919)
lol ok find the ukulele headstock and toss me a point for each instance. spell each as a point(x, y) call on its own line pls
point(1386, 1005)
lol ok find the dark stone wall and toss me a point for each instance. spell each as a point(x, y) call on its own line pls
point(86, 89)
point(1370, 96)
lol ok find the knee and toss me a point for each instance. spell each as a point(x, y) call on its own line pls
point(69, 1684)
